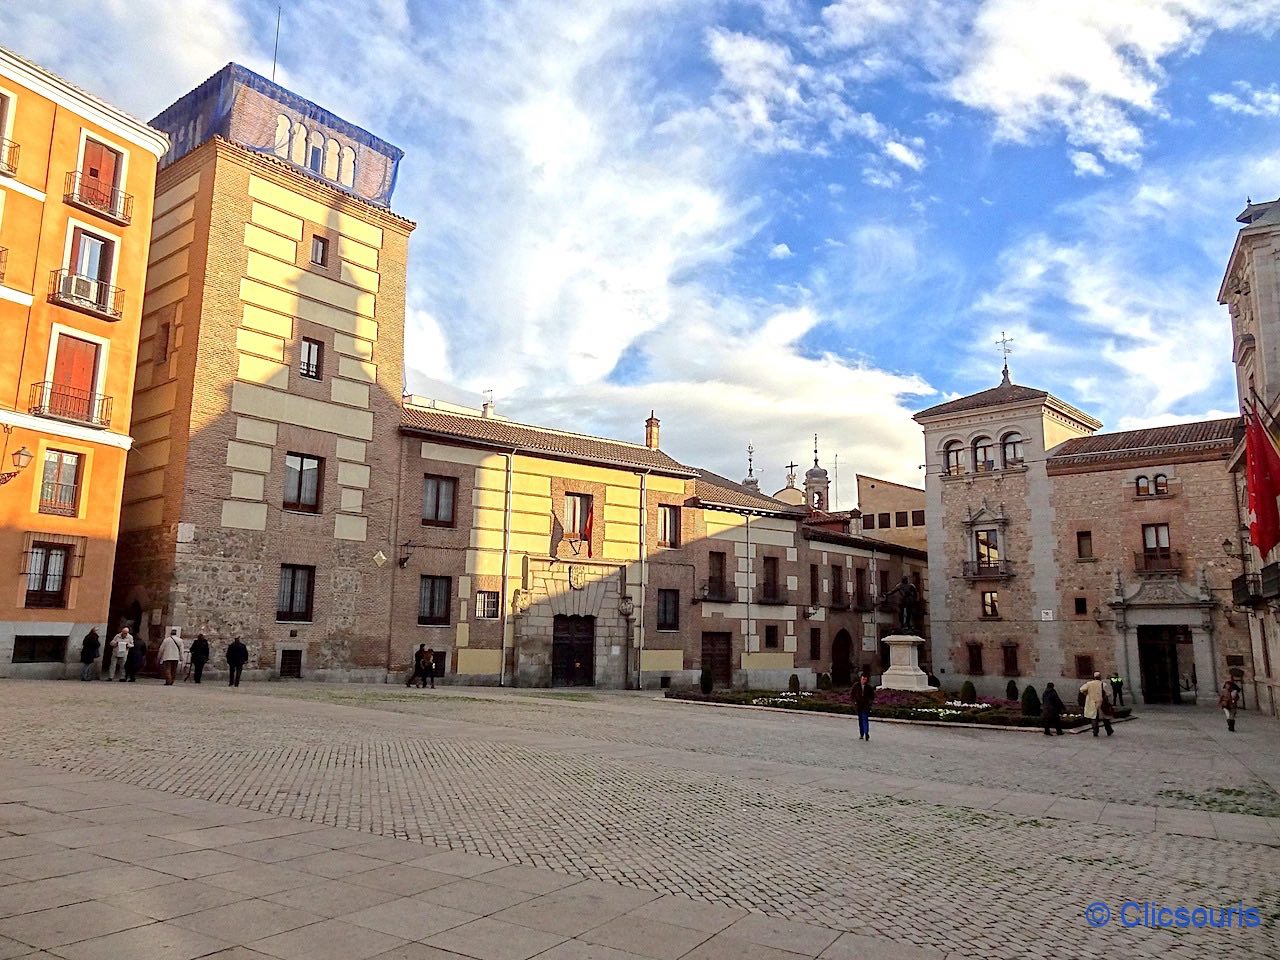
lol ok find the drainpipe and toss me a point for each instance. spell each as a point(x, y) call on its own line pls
point(750, 587)
point(393, 536)
point(506, 563)
point(644, 576)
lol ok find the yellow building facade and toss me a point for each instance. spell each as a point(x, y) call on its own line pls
point(77, 178)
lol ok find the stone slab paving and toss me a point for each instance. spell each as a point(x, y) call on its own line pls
point(409, 828)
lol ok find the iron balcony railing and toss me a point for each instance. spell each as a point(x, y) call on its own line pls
point(840, 600)
point(1246, 589)
point(987, 569)
point(863, 603)
point(58, 498)
point(4, 261)
point(717, 591)
point(86, 293)
point(772, 594)
point(99, 197)
point(1270, 578)
point(57, 400)
point(1158, 561)
point(9, 157)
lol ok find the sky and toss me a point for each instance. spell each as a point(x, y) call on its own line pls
point(770, 219)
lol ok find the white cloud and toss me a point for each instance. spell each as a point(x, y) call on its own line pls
point(722, 388)
point(1249, 100)
point(1086, 164)
point(904, 155)
point(780, 251)
point(1114, 308)
point(141, 54)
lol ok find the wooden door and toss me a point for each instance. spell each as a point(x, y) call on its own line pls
point(75, 374)
point(717, 656)
point(573, 651)
point(98, 173)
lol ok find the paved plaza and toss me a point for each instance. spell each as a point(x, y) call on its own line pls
point(297, 820)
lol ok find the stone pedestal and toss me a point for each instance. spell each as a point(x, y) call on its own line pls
point(904, 671)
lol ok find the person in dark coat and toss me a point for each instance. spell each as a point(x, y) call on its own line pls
point(419, 674)
point(135, 659)
point(237, 656)
point(199, 655)
point(1052, 708)
point(89, 651)
point(863, 696)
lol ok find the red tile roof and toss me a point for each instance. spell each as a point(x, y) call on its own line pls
point(1177, 438)
point(1005, 393)
point(712, 488)
point(507, 435)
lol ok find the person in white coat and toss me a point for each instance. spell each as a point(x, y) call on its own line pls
point(170, 656)
point(120, 646)
point(1096, 706)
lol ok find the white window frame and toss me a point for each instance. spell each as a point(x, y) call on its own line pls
point(6, 130)
point(97, 231)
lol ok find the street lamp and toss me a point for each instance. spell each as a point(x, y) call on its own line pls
point(22, 458)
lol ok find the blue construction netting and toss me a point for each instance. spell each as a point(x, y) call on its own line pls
point(252, 111)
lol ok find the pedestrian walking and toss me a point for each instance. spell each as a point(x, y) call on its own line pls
point(237, 656)
point(1096, 705)
point(429, 667)
point(1117, 688)
point(89, 650)
point(199, 655)
point(1051, 710)
point(864, 695)
point(170, 657)
point(419, 673)
point(135, 659)
point(1229, 701)
point(121, 644)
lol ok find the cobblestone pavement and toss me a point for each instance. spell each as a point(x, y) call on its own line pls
point(969, 843)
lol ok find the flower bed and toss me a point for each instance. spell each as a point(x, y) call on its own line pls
point(890, 705)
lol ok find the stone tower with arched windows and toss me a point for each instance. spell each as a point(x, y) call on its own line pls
point(990, 529)
point(1056, 551)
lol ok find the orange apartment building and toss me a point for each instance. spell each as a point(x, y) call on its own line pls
point(77, 178)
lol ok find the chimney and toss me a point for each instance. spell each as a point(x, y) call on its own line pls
point(651, 431)
point(486, 409)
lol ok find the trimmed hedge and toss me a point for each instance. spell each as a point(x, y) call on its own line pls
point(995, 716)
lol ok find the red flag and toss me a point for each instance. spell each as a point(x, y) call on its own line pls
point(1262, 477)
point(586, 527)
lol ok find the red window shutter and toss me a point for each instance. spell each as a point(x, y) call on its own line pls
point(76, 364)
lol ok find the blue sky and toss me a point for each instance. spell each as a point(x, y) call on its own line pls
point(769, 219)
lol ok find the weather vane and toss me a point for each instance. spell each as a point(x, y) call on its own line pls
point(1004, 342)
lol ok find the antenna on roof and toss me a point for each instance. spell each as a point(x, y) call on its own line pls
point(815, 449)
point(835, 502)
point(276, 52)
point(1005, 350)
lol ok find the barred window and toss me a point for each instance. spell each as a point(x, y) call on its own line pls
point(487, 605)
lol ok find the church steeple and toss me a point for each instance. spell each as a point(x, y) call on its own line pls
point(751, 483)
point(817, 486)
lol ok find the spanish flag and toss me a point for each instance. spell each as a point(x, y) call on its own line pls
point(1262, 477)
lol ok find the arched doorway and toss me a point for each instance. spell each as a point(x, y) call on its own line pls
point(841, 662)
point(573, 651)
